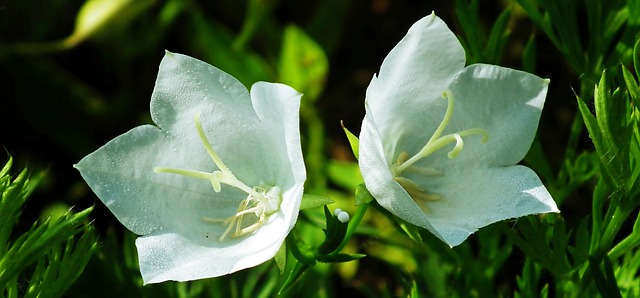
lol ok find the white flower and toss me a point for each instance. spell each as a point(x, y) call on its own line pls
point(439, 141)
point(215, 186)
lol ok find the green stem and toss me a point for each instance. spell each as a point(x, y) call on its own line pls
point(612, 224)
point(353, 225)
point(628, 243)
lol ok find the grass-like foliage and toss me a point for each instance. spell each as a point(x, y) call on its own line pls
point(46, 259)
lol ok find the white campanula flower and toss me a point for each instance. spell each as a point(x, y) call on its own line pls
point(440, 141)
point(215, 186)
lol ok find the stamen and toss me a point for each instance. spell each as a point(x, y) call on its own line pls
point(423, 171)
point(415, 190)
point(261, 201)
point(215, 184)
point(261, 207)
point(402, 157)
point(435, 143)
point(417, 193)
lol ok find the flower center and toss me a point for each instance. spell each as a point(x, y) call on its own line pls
point(436, 142)
point(252, 213)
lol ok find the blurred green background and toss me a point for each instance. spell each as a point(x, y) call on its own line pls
point(60, 105)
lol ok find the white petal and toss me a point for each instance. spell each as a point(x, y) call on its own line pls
point(379, 180)
point(183, 257)
point(121, 174)
point(187, 86)
point(190, 256)
point(475, 198)
point(505, 102)
point(278, 107)
point(406, 95)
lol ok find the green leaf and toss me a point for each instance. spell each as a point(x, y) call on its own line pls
point(353, 224)
point(632, 86)
point(303, 63)
point(335, 233)
point(529, 55)
point(281, 257)
point(344, 173)
point(353, 140)
point(312, 201)
point(49, 249)
point(340, 258)
point(214, 42)
point(472, 39)
point(498, 37)
point(97, 16)
point(605, 281)
point(305, 258)
point(636, 48)
point(362, 195)
point(611, 115)
point(257, 11)
point(300, 250)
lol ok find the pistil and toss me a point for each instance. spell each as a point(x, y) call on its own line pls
point(261, 201)
point(435, 143)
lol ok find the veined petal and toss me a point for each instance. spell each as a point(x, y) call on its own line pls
point(405, 96)
point(476, 198)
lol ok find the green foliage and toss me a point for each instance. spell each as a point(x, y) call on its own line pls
point(49, 257)
point(482, 47)
point(303, 63)
point(74, 75)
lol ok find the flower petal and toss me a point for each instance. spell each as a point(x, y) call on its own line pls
point(405, 97)
point(476, 198)
point(187, 86)
point(121, 174)
point(183, 257)
point(278, 106)
point(379, 180)
point(506, 103)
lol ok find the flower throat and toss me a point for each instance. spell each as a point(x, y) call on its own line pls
point(252, 213)
point(405, 163)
